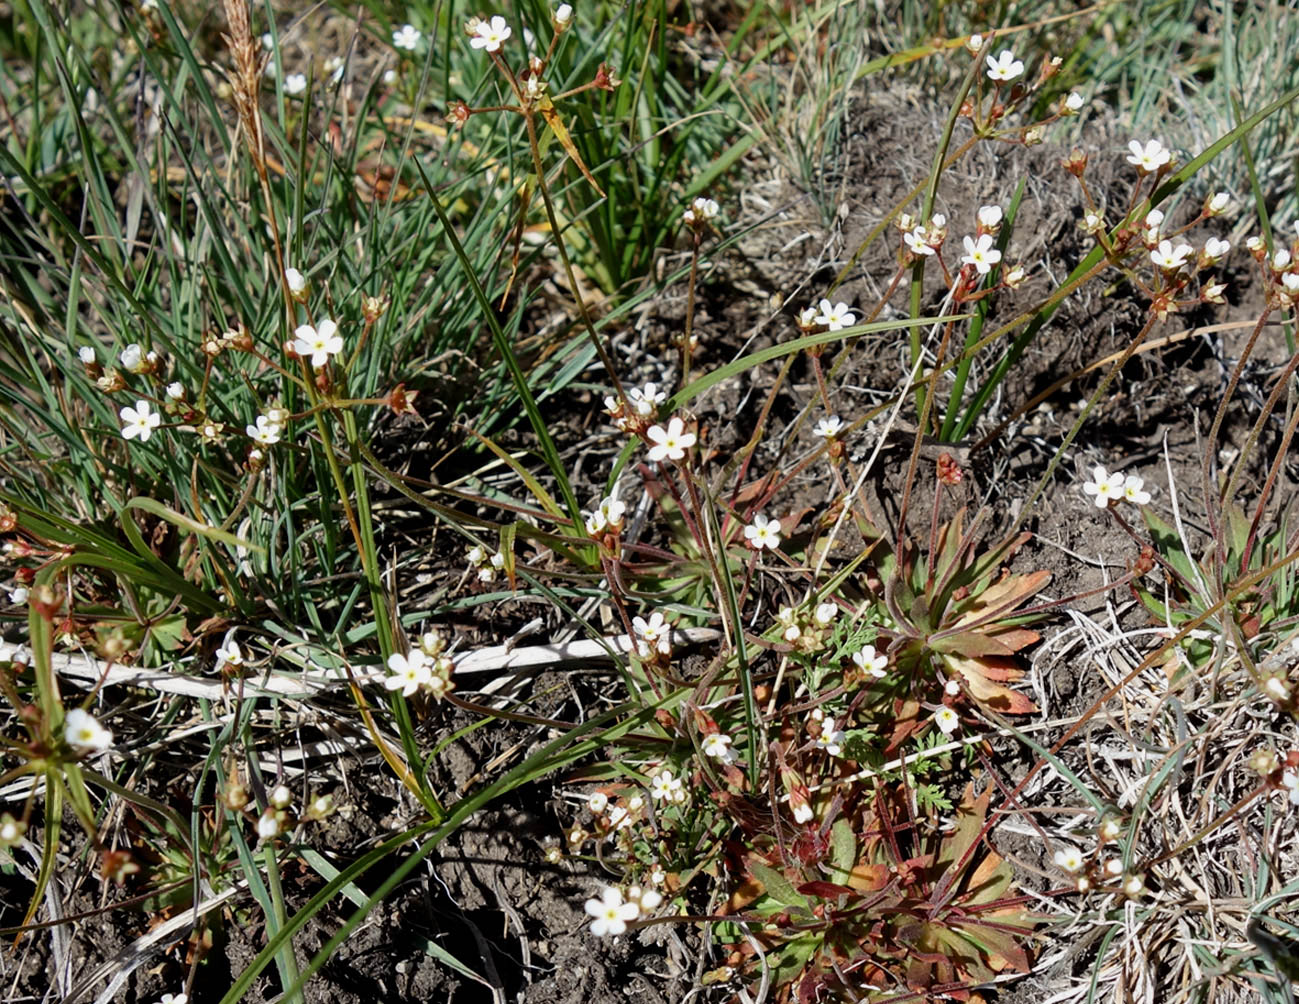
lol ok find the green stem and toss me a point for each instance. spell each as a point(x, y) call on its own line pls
point(287, 961)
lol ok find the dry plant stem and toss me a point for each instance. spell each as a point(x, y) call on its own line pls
point(1212, 501)
point(1282, 453)
point(686, 348)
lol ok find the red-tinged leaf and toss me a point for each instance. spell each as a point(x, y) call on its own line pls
point(980, 677)
point(551, 115)
point(971, 644)
point(826, 890)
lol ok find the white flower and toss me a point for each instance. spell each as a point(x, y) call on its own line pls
point(718, 746)
point(595, 523)
point(295, 84)
point(86, 354)
point(1014, 277)
point(597, 802)
point(265, 431)
point(646, 400)
point(1149, 158)
point(407, 37)
point(917, 241)
point(334, 67)
point(1132, 490)
point(1217, 204)
point(947, 720)
point(990, 217)
point(139, 421)
point(1105, 487)
point(410, 672)
point(1212, 293)
point(701, 211)
point(807, 317)
point(281, 796)
point(1154, 220)
point(1281, 259)
point(646, 899)
point(318, 342)
point(1092, 221)
point(268, 41)
point(828, 428)
point(835, 317)
point(229, 655)
point(563, 15)
point(174, 999)
point(974, 43)
point(490, 34)
point(81, 729)
point(175, 390)
point(1290, 781)
point(268, 824)
point(1069, 859)
point(18, 595)
point(1073, 103)
point(613, 512)
point(11, 831)
point(1170, 258)
point(610, 912)
point(868, 662)
point(831, 739)
point(763, 532)
point(800, 809)
point(655, 633)
point(389, 77)
point(670, 443)
point(981, 254)
point(825, 613)
point(1215, 249)
point(296, 280)
point(1133, 885)
point(1004, 67)
point(665, 785)
point(131, 358)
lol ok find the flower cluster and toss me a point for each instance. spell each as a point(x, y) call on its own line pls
point(653, 636)
point(701, 212)
point(1098, 868)
point(484, 564)
point(807, 628)
point(606, 518)
point(427, 668)
point(1106, 487)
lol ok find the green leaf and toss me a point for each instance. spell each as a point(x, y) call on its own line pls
point(777, 886)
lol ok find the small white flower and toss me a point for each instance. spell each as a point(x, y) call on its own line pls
point(610, 912)
point(646, 899)
point(981, 254)
point(389, 77)
point(947, 720)
point(666, 786)
point(1154, 220)
point(174, 999)
point(613, 511)
point(835, 317)
point(974, 43)
point(268, 41)
point(1290, 781)
point(18, 595)
point(646, 400)
point(1281, 259)
point(1092, 221)
point(763, 532)
point(655, 633)
point(131, 358)
point(1149, 158)
point(139, 421)
point(701, 211)
point(825, 613)
point(1104, 487)
point(563, 15)
point(229, 655)
point(800, 809)
point(831, 739)
point(281, 796)
point(410, 672)
point(86, 354)
point(807, 317)
point(296, 280)
point(1133, 490)
point(491, 34)
point(828, 428)
point(1133, 885)
point(268, 824)
point(264, 431)
point(318, 342)
point(1170, 258)
point(1110, 828)
point(1069, 859)
point(917, 241)
point(334, 67)
point(868, 662)
point(175, 390)
point(1215, 249)
point(718, 746)
point(407, 37)
point(670, 443)
point(82, 730)
point(295, 84)
point(990, 217)
point(1073, 103)
point(1217, 204)
point(597, 802)
point(1254, 243)
point(1005, 67)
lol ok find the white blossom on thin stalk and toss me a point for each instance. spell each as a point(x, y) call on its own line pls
point(1170, 258)
point(718, 746)
point(670, 443)
point(917, 241)
point(1148, 158)
point(831, 738)
point(295, 84)
point(763, 533)
point(835, 316)
point(646, 400)
point(980, 253)
point(139, 421)
point(1133, 490)
point(1104, 487)
point(82, 729)
point(1005, 67)
point(828, 428)
point(490, 35)
point(947, 720)
point(1069, 859)
point(407, 37)
point(868, 662)
point(652, 635)
point(610, 912)
point(319, 342)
